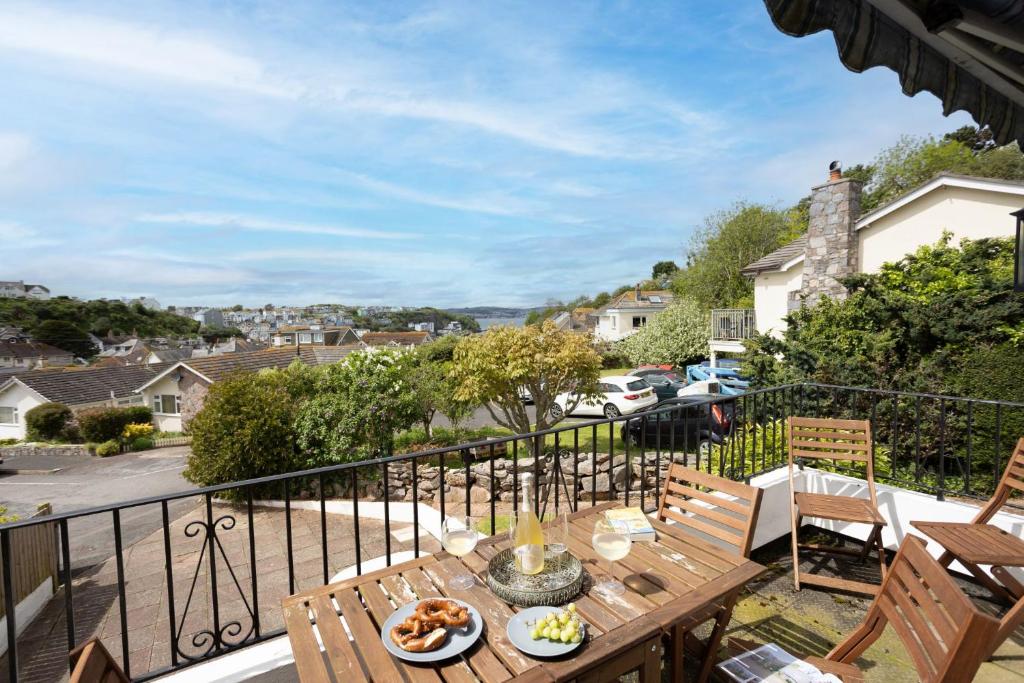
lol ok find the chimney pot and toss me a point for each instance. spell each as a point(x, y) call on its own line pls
point(835, 171)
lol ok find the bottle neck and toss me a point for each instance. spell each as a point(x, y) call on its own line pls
point(526, 504)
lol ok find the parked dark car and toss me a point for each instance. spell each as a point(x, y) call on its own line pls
point(687, 424)
point(665, 385)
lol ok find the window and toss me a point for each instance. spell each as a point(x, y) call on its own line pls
point(167, 404)
point(639, 321)
point(637, 385)
point(609, 388)
point(8, 415)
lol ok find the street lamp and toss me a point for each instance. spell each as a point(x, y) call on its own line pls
point(1018, 253)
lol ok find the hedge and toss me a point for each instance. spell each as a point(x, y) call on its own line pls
point(106, 424)
point(47, 422)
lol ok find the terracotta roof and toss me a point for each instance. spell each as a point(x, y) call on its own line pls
point(88, 385)
point(778, 258)
point(31, 350)
point(401, 338)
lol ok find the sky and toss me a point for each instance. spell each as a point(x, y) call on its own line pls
point(446, 154)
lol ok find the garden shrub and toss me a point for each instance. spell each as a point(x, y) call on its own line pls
point(104, 424)
point(47, 422)
point(9, 442)
point(108, 448)
point(137, 430)
point(244, 430)
point(143, 443)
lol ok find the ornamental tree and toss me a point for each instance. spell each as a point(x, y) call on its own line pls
point(357, 406)
point(678, 335)
point(492, 369)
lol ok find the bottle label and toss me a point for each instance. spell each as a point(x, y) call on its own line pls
point(530, 558)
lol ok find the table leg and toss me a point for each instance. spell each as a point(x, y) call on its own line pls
point(650, 672)
point(988, 582)
point(677, 654)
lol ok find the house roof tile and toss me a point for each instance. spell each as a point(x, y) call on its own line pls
point(778, 258)
point(88, 385)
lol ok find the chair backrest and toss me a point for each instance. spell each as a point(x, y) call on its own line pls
point(730, 518)
point(829, 439)
point(92, 663)
point(945, 634)
point(1012, 481)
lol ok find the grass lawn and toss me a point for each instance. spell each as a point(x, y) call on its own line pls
point(614, 371)
point(502, 523)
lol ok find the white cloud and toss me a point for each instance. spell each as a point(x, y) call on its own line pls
point(499, 204)
point(255, 223)
point(132, 47)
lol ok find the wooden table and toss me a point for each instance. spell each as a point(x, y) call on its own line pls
point(669, 581)
point(977, 544)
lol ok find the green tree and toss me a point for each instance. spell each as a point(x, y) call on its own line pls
point(678, 335)
point(601, 299)
point(244, 430)
point(727, 242)
point(64, 335)
point(47, 421)
point(428, 388)
point(662, 271)
point(357, 405)
point(492, 368)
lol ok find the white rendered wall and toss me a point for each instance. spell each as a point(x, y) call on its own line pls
point(771, 298)
point(24, 400)
point(962, 211)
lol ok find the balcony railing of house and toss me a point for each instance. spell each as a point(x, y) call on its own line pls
point(222, 595)
point(732, 324)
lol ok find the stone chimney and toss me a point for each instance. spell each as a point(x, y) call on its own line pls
point(831, 251)
point(638, 292)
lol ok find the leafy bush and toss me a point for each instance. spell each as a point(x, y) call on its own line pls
point(613, 357)
point(46, 422)
point(106, 424)
point(244, 430)
point(108, 448)
point(5, 518)
point(679, 335)
point(358, 406)
point(143, 443)
point(9, 442)
point(137, 430)
point(138, 414)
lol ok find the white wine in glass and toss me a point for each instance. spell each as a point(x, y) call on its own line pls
point(611, 541)
point(459, 538)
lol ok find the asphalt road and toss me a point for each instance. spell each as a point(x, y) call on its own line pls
point(84, 482)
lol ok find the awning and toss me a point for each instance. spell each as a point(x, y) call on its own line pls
point(968, 53)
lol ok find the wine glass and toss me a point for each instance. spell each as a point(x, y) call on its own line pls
point(611, 541)
point(459, 538)
point(558, 536)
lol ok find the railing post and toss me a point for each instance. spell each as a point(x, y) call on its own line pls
point(10, 604)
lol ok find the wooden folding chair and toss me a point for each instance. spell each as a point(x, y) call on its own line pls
point(943, 632)
point(979, 543)
point(92, 663)
point(835, 440)
point(730, 520)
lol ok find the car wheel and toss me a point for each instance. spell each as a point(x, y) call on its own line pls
point(557, 412)
point(610, 411)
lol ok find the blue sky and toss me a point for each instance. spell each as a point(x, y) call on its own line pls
point(406, 153)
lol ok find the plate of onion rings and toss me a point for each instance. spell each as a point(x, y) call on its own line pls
point(431, 630)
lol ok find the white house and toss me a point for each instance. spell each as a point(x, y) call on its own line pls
point(840, 241)
point(78, 389)
point(19, 290)
point(628, 312)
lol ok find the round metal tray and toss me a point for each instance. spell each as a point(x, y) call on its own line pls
point(560, 581)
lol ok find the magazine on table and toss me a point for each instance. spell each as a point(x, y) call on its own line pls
point(640, 527)
point(773, 664)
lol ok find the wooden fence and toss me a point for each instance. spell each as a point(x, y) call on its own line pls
point(34, 555)
point(172, 441)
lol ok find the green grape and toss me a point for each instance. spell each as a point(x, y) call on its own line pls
point(577, 637)
point(571, 607)
point(535, 634)
point(563, 618)
point(546, 632)
point(567, 635)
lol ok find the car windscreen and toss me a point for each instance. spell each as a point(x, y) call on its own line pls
point(637, 385)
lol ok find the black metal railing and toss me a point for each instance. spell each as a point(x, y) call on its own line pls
point(220, 588)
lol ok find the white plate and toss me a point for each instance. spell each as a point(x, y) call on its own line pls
point(519, 633)
point(457, 640)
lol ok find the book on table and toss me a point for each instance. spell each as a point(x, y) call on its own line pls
point(640, 527)
point(772, 664)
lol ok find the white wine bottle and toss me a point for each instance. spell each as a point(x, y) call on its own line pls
point(527, 537)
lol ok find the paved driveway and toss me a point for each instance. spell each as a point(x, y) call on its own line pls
point(73, 483)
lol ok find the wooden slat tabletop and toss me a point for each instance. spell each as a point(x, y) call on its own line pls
point(976, 543)
point(335, 630)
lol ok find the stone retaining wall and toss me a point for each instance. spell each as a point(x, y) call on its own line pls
point(31, 449)
point(610, 473)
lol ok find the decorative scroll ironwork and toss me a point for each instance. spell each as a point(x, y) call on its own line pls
point(221, 636)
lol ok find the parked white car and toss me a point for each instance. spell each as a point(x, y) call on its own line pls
point(620, 395)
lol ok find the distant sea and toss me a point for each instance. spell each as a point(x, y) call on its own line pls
point(493, 322)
